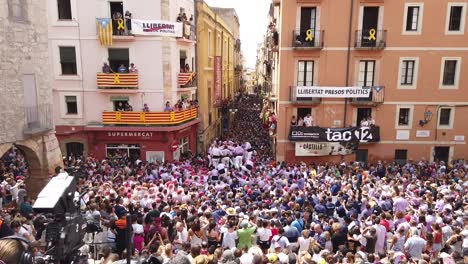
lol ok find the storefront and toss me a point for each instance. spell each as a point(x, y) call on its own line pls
point(144, 143)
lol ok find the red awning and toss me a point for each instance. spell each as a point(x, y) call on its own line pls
point(185, 77)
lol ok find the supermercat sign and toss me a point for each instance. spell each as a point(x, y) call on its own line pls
point(334, 92)
point(156, 28)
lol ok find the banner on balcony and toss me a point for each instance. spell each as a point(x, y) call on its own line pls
point(333, 92)
point(323, 134)
point(325, 148)
point(157, 28)
point(218, 78)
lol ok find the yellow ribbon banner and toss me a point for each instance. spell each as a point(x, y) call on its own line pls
point(120, 24)
point(309, 35)
point(172, 116)
point(142, 116)
point(118, 116)
point(117, 78)
point(372, 34)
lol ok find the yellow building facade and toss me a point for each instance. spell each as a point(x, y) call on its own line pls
point(215, 38)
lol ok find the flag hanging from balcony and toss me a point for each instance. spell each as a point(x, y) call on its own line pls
point(185, 77)
point(105, 31)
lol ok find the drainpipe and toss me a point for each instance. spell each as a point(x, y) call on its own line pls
point(195, 30)
point(348, 58)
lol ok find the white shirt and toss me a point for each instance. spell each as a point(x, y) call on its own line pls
point(308, 121)
point(264, 234)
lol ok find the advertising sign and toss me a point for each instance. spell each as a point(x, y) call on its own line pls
point(218, 78)
point(323, 134)
point(325, 148)
point(157, 28)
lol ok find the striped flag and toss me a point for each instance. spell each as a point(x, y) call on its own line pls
point(105, 31)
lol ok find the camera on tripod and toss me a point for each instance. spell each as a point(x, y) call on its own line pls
point(93, 228)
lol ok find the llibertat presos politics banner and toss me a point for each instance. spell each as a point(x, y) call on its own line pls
point(324, 134)
point(157, 28)
point(304, 149)
point(332, 92)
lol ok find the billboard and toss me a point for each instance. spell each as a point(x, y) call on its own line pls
point(326, 134)
point(218, 78)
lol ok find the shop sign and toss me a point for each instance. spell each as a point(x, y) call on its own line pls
point(325, 148)
point(129, 134)
point(323, 134)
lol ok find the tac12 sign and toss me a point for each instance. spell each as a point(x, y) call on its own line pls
point(322, 134)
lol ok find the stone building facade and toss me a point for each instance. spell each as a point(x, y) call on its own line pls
point(26, 94)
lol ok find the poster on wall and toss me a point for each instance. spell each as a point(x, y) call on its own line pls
point(325, 148)
point(326, 134)
point(157, 28)
point(218, 78)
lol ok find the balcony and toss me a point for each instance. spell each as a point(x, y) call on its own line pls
point(370, 39)
point(308, 39)
point(117, 80)
point(189, 35)
point(302, 100)
point(149, 118)
point(376, 97)
point(38, 119)
point(186, 79)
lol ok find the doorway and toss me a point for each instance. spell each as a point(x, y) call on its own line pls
point(303, 112)
point(441, 154)
point(75, 149)
point(115, 7)
point(308, 22)
point(361, 156)
point(183, 60)
point(370, 20)
point(401, 156)
point(362, 114)
point(118, 57)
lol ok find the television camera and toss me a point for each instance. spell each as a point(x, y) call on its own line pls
point(58, 201)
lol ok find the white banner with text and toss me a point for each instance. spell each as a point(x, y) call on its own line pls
point(156, 28)
point(333, 92)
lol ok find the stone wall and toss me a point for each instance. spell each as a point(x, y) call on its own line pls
point(24, 50)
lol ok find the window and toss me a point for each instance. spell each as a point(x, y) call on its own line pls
point(68, 60)
point(412, 18)
point(64, 10)
point(72, 107)
point(446, 117)
point(455, 18)
point(305, 73)
point(308, 22)
point(366, 73)
point(401, 156)
point(450, 67)
point(17, 10)
point(209, 43)
point(404, 116)
point(119, 57)
point(407, 72)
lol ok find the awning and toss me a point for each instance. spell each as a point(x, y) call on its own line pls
point(185, 77)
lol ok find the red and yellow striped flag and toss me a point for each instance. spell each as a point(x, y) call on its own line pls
point(105, 31)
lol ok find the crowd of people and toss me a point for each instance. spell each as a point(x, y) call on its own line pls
point(235, 204)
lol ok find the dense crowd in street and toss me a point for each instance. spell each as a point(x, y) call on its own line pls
point(236, 204)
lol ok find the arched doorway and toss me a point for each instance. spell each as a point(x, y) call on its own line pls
point(74, 149)
point(15, 165)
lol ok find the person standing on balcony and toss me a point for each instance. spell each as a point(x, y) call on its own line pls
point(308, 120)
point(122, 69)
point(145, 108)
point(117, 17)
point(128, 22)
point(168, 107)
point(106, 68)
point(133, 68)
point(187, 67)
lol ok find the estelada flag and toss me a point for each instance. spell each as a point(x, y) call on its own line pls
point(105, 31)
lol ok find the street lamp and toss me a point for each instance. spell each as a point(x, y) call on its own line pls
point(427, 118)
